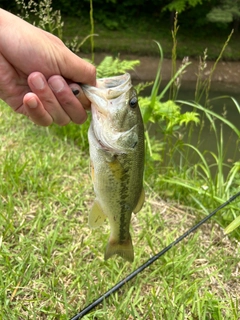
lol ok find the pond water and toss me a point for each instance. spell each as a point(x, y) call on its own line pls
point(207, 140)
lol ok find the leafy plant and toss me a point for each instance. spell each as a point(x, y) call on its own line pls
point(181, 5)
point(110, 66)
point(151, 104)
point(166, 115)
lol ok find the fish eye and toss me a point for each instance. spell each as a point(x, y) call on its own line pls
point(133, 102)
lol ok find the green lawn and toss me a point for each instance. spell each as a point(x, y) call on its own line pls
point(51, 263)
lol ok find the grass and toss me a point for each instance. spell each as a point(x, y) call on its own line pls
point(51, 263)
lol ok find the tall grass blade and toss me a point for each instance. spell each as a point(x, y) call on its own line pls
point(92, 29)
point(209, 80)
point(232, 226)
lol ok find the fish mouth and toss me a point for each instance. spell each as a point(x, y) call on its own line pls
point(105, 90)
point(108, 96)
point(114, 86)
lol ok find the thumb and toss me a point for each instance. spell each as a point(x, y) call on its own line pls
point(74, 68)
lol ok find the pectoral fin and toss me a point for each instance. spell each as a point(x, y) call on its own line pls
point(96, 216)
point(140, 202)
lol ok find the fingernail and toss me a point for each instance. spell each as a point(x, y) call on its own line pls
point(56, 84)
point(32, 103)
point(38, 82)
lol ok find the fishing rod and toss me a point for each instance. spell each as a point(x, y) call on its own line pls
point(132, 275)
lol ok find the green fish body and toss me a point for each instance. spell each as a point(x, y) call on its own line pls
point(116, 142)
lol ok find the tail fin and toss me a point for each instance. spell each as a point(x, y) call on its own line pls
point(123, 249)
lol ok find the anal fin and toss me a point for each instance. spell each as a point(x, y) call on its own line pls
point(96, 216)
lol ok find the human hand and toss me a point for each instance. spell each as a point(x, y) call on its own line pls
point(39, 73)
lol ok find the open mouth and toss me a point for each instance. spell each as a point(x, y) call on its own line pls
point(113, 82)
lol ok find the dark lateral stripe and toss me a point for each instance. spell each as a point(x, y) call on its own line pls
point(124, 219)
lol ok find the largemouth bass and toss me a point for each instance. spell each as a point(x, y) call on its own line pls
point(116, 143)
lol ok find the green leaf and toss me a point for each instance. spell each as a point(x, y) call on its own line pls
point(189, 117)
point(181, 5)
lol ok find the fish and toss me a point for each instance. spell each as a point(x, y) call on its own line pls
point(116, 146)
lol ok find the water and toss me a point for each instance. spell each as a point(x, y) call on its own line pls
point(226, 108)
point(206, 141)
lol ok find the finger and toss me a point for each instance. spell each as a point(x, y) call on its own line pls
point(68, 101)
point(40, 87)
point(35, 110)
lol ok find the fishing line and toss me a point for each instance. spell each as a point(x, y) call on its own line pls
point(150, 261)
